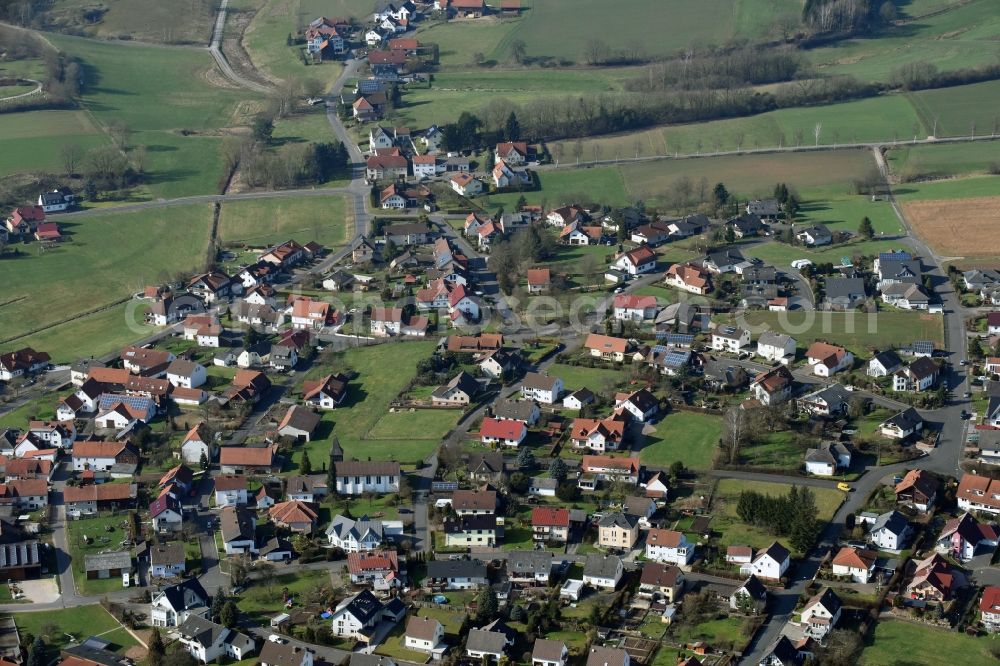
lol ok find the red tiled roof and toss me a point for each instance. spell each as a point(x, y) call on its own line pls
point(549, 517)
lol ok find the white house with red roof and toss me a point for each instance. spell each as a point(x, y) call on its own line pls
point(378, 568)
point(506, 432)
point(466, 184)
point(632, 307)
point(514, 153)
point(637, 261)
point(989, 607)
point(668, 546)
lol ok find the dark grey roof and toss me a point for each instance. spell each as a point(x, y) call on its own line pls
point(529, 562)
point(102, 561)
point(167, 553)
point(97, 655)
point(726, 257)
point(175, 594)
point(364, 606)
point(907, 419)
point(517, 410)
point(492, 642)
point(456, 569)
point(754, 588)
point(617, 519)
point(844, 288)
point(362, 659)
point(463, 381)
point(470, 522)
point(605, 656)
point(888, 359)
point(829, 599)
point(236, 524)
point(893, 522)
point(200, 630)
point(923, 367)
point(601, 566)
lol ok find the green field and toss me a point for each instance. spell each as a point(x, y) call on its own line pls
point(563, 186)
point(782, 254)
point(656, 28)
point(577, 377)
point(383, 371)
point(106, 258)
point(689, 437)
point(893, 638)
point(858, 333)
point(750, 175)
point(842, 211)
point(735, 532)
point(182, 22)
point(943, 160)
point(80, 622)
point(32, 139)
point(420, 424)
point(959, 188)
point(961, 110)
point(97, 334)
point(962, 37)
point(262, 222)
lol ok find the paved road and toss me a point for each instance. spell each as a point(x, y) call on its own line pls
point(215, 48)
point(38, 89)
point(945, 459)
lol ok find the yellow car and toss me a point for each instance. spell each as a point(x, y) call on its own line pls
point(846, 487)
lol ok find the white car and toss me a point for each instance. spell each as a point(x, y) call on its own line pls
point(275, 638)
point(799, 264)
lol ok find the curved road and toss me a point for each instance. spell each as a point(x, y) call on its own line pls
point(215, 48)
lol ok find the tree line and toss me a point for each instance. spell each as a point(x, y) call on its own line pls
point(750, 65)
point(793, 515)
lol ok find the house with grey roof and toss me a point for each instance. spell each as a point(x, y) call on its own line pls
point(773, 346)
point(890, 531)
point(844, 293)
point(207, 641)
point(549, 653)
point(814, 235)
point(358, 616)
point(459, 391)
point(490, 642)
point(352, 536)
point(526, 411)
point(173, 604)
point(603, 571)
point(529, 567)
point(606, 656)
point(455, 574)
point(827, 458)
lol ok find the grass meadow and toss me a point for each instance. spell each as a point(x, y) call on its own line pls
point(893, 638)
point(688, 437)
point(105, 258)
point(558, 187)
point(177, 22)
point(943, 160)
point(265, 222)
point(32, 140)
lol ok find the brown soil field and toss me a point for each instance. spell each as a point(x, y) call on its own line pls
point(957, 227)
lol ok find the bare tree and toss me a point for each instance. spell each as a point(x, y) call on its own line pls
point(735, 432)
point(71, 155)
point(577, 150)
point(816, 132)
point(518, 51)
point(120, 133)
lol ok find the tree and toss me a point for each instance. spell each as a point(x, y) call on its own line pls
point(519, 482)
point(512, 128)
point(263, 128)
point(36, 653)
point(866, 229)
point(266, 574)
point(676, 470)
point(156, 648)
point(730, 234)
point(218, 601)
point(720, 196)
point(518, 51)
point(487, 605)
point(90, 190)
point(305, 465)
point(525, 458)
point(568, 491)
point(179, 657)
point(71, 155)
point(230, 615)
point(203, 461)
point(558, 469)
point(735, 432)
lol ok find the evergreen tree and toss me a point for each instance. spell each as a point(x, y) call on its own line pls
point(305, 465)
point(487, 605)
point(791, 207)
point(730, 234)
point(218, 601)
point(203, 462)
point(230, 615)
point(558, 469)
point(866, 229)
point(156, 648)
point(525, 458)
point(512, 128)
point(720, 196)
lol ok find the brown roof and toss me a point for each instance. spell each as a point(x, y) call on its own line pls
point(856, 558)
point(245, 455)
point(366, 468)
point(548, 650)
point(661, 575)
point(293, 511)
point(977, 489)
point(543, 516)
point(104, 492)
point(539, 276)
point(606, 343)
point(826, 353)
point(423, 628)
point(668, 538)
point(919, 481)
point(474, 500)
point(97, 449)
point(230, 482)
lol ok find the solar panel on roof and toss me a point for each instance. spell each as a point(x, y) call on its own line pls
point(659, 349)
point(676, 358)
point(923, 347)
point(133, 401)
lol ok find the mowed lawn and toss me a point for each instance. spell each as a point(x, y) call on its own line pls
point(936, 646)
point(943, 159)
point(265, 38)
point(782, 254)
point(953, 188)
point(564, 186)
point(855, 330)
point(576, 377)
point(262, 222)
point(383, 371)
point(32, 139)
point(79, 622)
point(688, 437)
point(105, 258)
point(961, 110)
point(96, 334)
point(735, 532)
point(750, 175)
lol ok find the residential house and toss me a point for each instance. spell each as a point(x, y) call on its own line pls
point(378, 568)
point(539, 280)
point(472, 530)
point(465, 184)
point(166, 513)
point(827, 458)
point(550, 524)
point(294, 515)
point(22, 361)
point(598, 434)
point(514, 153)
point(91, 498)
point(463, 574)
point(890, 531)
point(629, 307)
point(723, 261)
point(617, 530)
point(661, 581)
point(459, 391)
point(603, 571)
point(386, 167)
point(978, 493)
point(669, 546)
point(606, 347)
point(239, 530)
point(491, 642)
point(746, 226)
point(933, 580)
point(989, 609)
point(821, 614)
point(207, 641)
point(230, 490)
point(299, 423)
point(424, 634)
point(500, 363)
point(689, 277)
point(197, 446)
point(750, 597)
point(529, 567)
point(547, 652)
point(965, 537)
point(829, 401)
point(361, 535)
point(773, 387)
point(902, 425)
point(172, 605)
point(526, 411)
point(577, 399)
point(541, 388)
point(906, 296)
point(166, 560)
point(844, 293)
point(637, 261)
point(605, 656)
point(641, 405)
point(776, 347)
point(502, 432)
point(919, 489)
point(765, 209)
point(827, 360)
point(814, 235)
point(608, 468)
point(769, 563)
point(920, 375)
point(359, 477)
point(103, 456)
point(730, 339)
point(186, 374)
point(857, 564)
point(884, 364)
point(285, 654)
